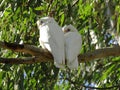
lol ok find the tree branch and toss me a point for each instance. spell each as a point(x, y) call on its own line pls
point(99, 53)
point(41, 55)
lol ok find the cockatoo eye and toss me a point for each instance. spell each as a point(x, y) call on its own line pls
point(68, 30)
point(41, 22)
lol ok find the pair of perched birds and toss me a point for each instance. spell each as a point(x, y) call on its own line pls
point(64, 43)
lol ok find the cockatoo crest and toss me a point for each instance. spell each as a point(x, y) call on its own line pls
point(45, 20)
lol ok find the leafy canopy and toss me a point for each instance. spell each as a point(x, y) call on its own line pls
point(97, 20)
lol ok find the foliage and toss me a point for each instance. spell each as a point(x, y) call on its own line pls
point(97, 20)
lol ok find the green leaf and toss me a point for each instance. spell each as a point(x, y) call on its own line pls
point(107, 72)
point(62, 19)
point(39, 8)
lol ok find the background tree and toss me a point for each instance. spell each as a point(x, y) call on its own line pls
point(97, 20)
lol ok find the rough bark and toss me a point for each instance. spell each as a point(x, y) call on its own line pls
point(41, 55)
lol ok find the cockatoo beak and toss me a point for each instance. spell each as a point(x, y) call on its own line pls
point(38, 23)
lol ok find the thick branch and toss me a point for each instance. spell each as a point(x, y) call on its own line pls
point(41, 55)
point(99, 53)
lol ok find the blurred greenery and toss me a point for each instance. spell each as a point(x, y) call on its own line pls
point(98, 21)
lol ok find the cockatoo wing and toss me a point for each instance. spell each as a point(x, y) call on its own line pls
point(53, 39)
point(73, 43)
point(57, 45)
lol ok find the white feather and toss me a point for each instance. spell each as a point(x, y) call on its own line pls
point(73, 44)
point(52, 38)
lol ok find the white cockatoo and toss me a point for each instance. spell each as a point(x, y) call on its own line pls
point(52, 39)
point(73, 44)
